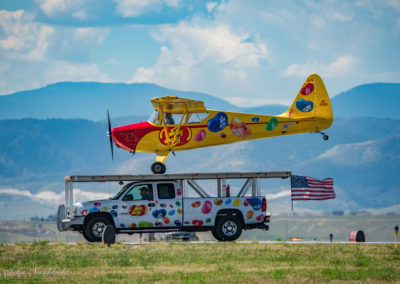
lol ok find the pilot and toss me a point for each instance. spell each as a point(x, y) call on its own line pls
point(169, 119)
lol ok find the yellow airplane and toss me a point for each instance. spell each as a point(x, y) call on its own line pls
point(181, 124)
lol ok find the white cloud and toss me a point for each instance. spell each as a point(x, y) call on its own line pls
point(211, 6)
point(52, 198)
point(133, 8)
point(79, 9)
point(341, 66)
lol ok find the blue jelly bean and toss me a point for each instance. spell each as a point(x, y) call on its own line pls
point(255, 119)
point(228, 201)
point(256, 203)
point(94, 209)
point(115, 207)
point(178, 223)
point(304, 105)
point(218, 122)
point(122, 226)
point(114, 213)
point(159, 213)
point(172, 212)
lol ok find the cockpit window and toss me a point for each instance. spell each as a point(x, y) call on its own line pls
point(155, 117)
point(197, 117)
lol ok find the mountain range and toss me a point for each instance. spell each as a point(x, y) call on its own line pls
point(59, 130)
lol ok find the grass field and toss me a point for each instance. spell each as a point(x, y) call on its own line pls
point(201, 263)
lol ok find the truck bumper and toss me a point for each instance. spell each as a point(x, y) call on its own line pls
point(66, 224)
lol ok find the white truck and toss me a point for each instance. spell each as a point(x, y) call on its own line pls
point(161, 203)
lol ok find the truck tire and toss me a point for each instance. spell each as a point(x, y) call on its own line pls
point(93, 231)
point(228, 228)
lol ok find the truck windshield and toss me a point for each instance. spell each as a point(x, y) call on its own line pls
point(118, 195)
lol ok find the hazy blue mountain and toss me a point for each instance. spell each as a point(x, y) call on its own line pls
point(362, 155)
point(88, 100)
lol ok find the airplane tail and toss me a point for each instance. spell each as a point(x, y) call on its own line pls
point(312, 102)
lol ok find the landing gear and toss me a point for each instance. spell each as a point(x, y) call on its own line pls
point(158, 168)
point(324, 136)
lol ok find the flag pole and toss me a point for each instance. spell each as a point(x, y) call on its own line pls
point(292, 204)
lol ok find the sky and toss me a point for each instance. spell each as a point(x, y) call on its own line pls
point(246, 52)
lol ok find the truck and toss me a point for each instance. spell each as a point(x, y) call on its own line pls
point(161, 203)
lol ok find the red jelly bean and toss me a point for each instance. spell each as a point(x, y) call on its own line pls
point(207, 207)
point(196, 204)
point(197, 222)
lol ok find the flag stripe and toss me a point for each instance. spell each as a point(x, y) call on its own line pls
point(314, 195)
point(316, 191)
point(308, 188)
point(307, 199)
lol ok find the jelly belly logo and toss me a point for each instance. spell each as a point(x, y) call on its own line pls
point(138, 210)
point(177, 136)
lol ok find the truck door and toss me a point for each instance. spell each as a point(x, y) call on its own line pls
point(137, 206)
point(169, 205)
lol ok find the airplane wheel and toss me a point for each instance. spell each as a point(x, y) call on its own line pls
point(326, 137)
point(158, 168)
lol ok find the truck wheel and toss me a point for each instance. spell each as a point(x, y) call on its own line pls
point(228, 228)
point(158, 168)
point(94, 228)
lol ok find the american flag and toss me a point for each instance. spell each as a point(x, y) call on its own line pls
point(308, 188)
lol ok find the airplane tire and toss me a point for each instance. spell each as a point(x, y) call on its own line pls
point(326, 137)
point(158, 168)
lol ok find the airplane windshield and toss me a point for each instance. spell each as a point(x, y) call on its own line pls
point(154, 118)
point(197, 117)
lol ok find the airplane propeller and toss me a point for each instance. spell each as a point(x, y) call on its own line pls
point(109, 134)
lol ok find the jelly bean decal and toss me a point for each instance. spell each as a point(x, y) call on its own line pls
point(255, 119)
point(138, 210)
point(166, 220)
point(197, 222)
point(208, 220)
point(84, 212)
point(207, 207)
point(158, 224)
point(178, 223)
point(200, 135)
point(97, 204)
point(285, 126)
point(132, 226)
point(250, 214)
point(218, 201)
point(122, 225)
point(178, 203)
point(93, 209)
point(246, 202)
point(180, 211)
point(239, 128)
point(145, 224)
point(271, 125)
point(178, 192)
point(196, 204)
point(114, 213)
point(237, 202)
point(104, 209)
point(171, 213)
point(256, 203)
point(304, 106)
point(308, 89)
point(171, 206)
point(163, 205)
point(260, 218)
point(115, 207)
point(218, 122)
point(159, 213)
point(222, 135)
point(228, 201)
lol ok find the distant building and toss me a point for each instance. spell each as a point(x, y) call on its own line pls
point(338, 213)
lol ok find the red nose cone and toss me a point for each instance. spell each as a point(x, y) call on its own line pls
point(125, 138)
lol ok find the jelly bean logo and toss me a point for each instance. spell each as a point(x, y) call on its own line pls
point(308, 89)
point(145, 224)
point(256, 203)
point(197, 222)
point(218, 122)
point(138, 210)
point(83, 212)
point(218, 202)
point(271, 125)
point(207, 207)
point(178, 192)
point(255, 119)
point(250, 214)
point(132, 226)
point(304, 106)
point(200, 135)
point(246, 202)
point(178, 223)
point(177, 136)
point(171, 213)
point(196, 204)
point(239, 128)
point(159, 213)
point(260, 217)
point(97, 204)
point(228, 201)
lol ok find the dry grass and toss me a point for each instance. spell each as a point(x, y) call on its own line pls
point(202, 263)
